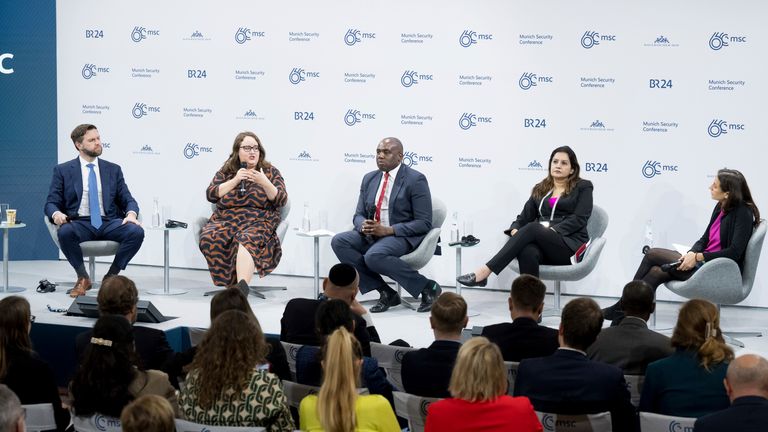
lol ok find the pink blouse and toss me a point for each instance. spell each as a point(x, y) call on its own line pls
point(714, 235)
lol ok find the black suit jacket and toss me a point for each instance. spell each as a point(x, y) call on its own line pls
point(631, 345)
point(151, 347)
point(568, 383)
point(521, 339)
point(735, 231)
point(427, 372)
point(746, 414)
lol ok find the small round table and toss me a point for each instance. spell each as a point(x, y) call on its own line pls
point(166, 265)
point(457, 248)
point(316, 234)
point(5, 227)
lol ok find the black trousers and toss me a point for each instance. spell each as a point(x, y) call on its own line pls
point(532, 245)
point(650, 270)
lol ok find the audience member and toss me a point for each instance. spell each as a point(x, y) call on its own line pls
point(330, 410)
point(149, 413)
point(479, 400)
point(298, 323)
point(21, 369)
point(524, 337)
point(631, 345)
point(689, 383)
point(109, 376)
point(228, 383)
point(11, 412)
point(747, 385)
point(427, 372)
point(567, 382)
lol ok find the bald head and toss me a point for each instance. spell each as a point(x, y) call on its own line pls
point(747, 376)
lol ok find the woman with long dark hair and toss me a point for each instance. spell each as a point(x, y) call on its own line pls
point(552, 225)
point(240, 236)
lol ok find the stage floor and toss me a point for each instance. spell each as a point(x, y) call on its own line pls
point(192, 308)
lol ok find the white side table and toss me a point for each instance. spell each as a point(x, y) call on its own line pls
point(5, 227)
point(458, 248)
point(316, 234)
point(166, 264)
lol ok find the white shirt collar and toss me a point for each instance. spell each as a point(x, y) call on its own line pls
point(574, 349)
point(637, 318)
point(84, 163)
point(393, 172)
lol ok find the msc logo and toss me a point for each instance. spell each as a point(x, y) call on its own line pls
point(94, 34)
point(597, 167)
point(548, 421)
point(411, 77)
point(593, 38)
point(720, 127)
point(675, 426)
point(140, 33)
point(722, 39)
point(530, 79)
point(353, 117)
point(470, 120)
point(298, 75)
point(102, 423)
point(660, 83)
point(354, 36)
point(5, 70)
point(411, 159)
point(192, 150)
point(304, 115)
point(90, 70)
point(197, 73)
point(653, 168)
point(244, 34)
point(535, 123)
point(469, 38)
point(141, 109)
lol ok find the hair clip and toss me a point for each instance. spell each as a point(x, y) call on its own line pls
point(102, 342)
point(711, 332)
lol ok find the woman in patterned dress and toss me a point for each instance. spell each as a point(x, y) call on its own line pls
point(241, 237)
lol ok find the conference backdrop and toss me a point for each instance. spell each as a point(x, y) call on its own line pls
point(653, 96)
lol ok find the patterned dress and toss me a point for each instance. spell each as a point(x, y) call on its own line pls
point(250, 220)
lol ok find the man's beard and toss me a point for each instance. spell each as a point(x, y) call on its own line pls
point(92, 153)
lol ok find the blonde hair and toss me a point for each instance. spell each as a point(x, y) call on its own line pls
point(341, 376)
point(148, 413)
point(479, 374)
point(698, 329)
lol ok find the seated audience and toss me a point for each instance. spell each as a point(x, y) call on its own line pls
point(149, 413)
point(567, 382)
point(427, 372)
point(523, 337)
point(631, 345)
point(21, 369)
point(109, 377)
point(298, 323)
point(747, 385)
point(228, 382)
point(689, 383)
point(479, 400)
point(11, 412)
point(330, 410)
point(118, 296)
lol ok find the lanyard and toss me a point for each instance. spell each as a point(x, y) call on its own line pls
point(552, 215)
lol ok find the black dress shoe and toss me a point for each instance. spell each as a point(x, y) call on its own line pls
point(613, 312)
point(243, 287)
point(387, 299)
point(470, 280)
point(428, 296)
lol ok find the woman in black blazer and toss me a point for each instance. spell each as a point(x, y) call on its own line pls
point(730, 226)
point(552, 225)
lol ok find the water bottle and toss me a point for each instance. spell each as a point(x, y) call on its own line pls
point(648, 236)
point(305, 225)
point(156, 213)
point(455, 228)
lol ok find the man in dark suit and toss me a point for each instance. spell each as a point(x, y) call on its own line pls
point(89, 200)
point(747, 385)
point(523, 337)
point(427, 372)
point(567, 382)
point(393, 215)
point(631, 345)
point(119, 296)
point(298, 322)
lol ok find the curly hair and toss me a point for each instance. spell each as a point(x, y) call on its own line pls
point(698, 329)
point(236, 337)
point(14, 329)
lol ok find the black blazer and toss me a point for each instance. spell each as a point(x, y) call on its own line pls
point(571, 214)
point(735, 231)
point(427, 372)
point(522, 338)
point(746, 414)
point(631, 345)
point(151, 346)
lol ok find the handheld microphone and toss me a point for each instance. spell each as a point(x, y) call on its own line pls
point(370, 214)
point(242, 182)
point(669, 266)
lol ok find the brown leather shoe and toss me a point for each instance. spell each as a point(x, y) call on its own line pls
point(81, 286)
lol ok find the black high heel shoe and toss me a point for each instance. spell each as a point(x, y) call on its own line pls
point(470, 280)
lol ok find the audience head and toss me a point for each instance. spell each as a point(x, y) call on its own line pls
point(698, 329)
point(15, 323)
point(341, 283)
point(108, 367)
point(580, 323)
point(333, 314)
point(527, 297)
point(734, 186)
point(237, 337)
point(230, 299)
point(747, 376)
point(448, 316)
point(342, 360)
point(11, 412)
point(637, 299)
point(148, 413)
point(479, 374)
point(118, 296)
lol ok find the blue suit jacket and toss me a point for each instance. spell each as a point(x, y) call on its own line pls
point(746, 414)
point(66, 190)
point(410, 204)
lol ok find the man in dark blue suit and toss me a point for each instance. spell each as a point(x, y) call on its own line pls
point(393, 215)
point(89, 200)
point(567, 382)
point(747, 385)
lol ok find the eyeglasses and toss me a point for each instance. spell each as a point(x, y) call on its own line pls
point(250, 149)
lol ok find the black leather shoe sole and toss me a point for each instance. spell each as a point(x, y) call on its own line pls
point(470, 281)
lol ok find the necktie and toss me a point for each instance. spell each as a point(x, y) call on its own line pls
point(377, 215)
point(93, 197)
